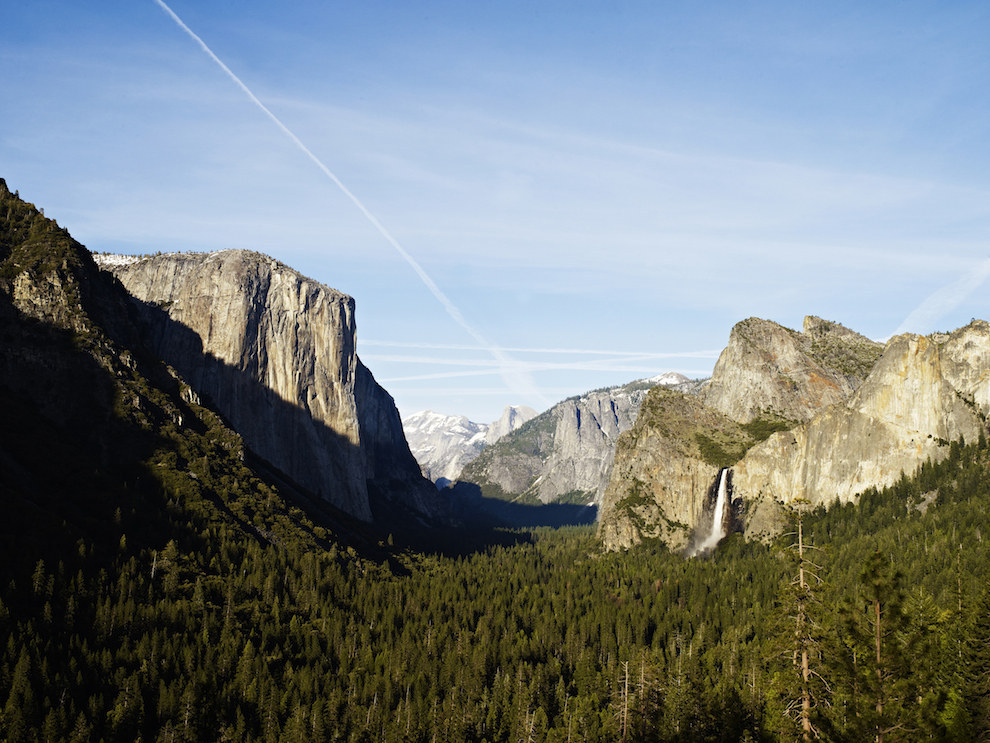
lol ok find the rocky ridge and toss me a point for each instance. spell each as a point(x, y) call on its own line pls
point(852, 416)
point(444, 444)
point(767, 370)
point(565, 453)
point(908, 410)
point(274, 352)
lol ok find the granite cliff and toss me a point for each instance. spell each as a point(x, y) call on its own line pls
point(274, 353)
point(917, 399)
point(820, 416)
point(565, 453)
point(104, 444)
point(767, 370)
point(663, 469)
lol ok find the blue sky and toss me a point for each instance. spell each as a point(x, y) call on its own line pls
point(599, 190)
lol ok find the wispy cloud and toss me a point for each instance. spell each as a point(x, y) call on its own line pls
point(708, 354)
point(552, 392)
point(584, 360)
point(625, 366)
point(941, 302)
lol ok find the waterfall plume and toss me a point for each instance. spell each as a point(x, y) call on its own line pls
point(717, 531)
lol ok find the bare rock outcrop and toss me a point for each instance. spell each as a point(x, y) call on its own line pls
point(564, 453)
point(661, 474)
point(767, 370)
point(965, 355)
point(513, 416)
point(587, 431)
point(274, 352)
point(855, 417)
point(905, 412)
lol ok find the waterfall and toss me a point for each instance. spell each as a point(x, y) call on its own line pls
point(717, 532)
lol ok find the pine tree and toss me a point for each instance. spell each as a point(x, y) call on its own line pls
point(976, 670)
point(801, 684)
point(877, 674)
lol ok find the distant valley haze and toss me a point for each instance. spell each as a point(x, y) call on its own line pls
point(527, 201)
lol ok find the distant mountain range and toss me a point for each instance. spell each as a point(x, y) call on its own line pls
point(564, 455)
point(444, 444)
point(260, 360)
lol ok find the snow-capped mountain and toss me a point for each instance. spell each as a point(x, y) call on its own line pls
point(444, 444)
point(668, 379)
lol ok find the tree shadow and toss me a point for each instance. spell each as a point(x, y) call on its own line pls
point(471, 507)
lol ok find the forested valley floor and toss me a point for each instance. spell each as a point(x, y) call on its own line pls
point(219, 633)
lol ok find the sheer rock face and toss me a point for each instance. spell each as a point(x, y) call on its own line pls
point(769, 370)
point(966, 363)
point(274, 352)
point(390, 470)
point(513, 416)
point(584, 444)
point(861, 423)
point(565, 451)
point(659, 478)
point(905, 412)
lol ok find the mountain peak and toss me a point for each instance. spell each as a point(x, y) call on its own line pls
point(513, 416)
point(768, 369)
point(668, 379)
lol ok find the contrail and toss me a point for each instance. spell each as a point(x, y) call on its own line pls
point(944, 300)
point(517, 380)
point(487, 372)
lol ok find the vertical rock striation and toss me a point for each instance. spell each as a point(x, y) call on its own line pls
point(564, 453)
point(584, 444)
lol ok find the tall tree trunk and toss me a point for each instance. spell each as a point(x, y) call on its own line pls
point(879, 645)
point(802, 633)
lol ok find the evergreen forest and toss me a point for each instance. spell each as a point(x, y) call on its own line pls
point(218, 633)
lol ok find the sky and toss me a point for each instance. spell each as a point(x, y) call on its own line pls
point(527, 200)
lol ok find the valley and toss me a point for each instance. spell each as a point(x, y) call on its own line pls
point(213, 528)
